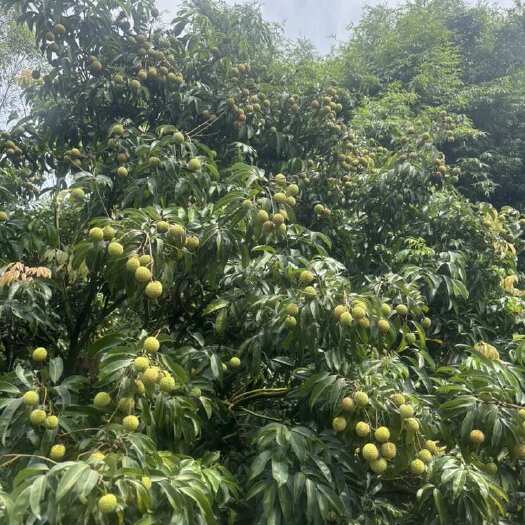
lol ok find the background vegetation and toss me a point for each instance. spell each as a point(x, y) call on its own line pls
point(244, 284)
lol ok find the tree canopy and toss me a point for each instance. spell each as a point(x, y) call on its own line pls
point(244, 284)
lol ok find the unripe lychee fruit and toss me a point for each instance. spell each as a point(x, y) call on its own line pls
point(425, 455)
point(192, 242)
point(150, 375)
point(117, 129)
point(179, 137)
point(339, 424)
point(358, 312)
point(280, 179)
point(115, 249)
point(280, 198)
point(78, 194)
point(194, 164)
point(102, 400)
point(3, 216)
point(51, 422)
point(388, 450)
point(139, 387)
point(234, 362)
point(109, 233)
point(292, 190)
point(398, 399)
point(339, 310)
point(346, 319)
point(318, 209)
point(385, 309)
point(167, 384)
point(162, 226)
point(382, 434)
point(431, 446)
point(142, 274)
point(477, 437)
point(126, 405)
point(383, 326)
point(417, 467)
point(370, 452)
point(131, 423)
point(401, 309)
point(426, 323)
point(151, 344)
point(290, 322)
point(291, 201)
point(310, 292)
point(362, 429)
point(39, 354)
point(132, 264)
point(30, 398)
point(145, 259)
point(410, 338)
point(347, 404)
point(96, 234)
point(153, 290)
point(107, 504)
point(412, 424)
point(141, 363)
point(292, 309)
point(361, 399)
point(519, 451)
point(306, 277)
point(491, 468)
point(177, 232)
point(96, 456)
point(57, 452)
point(379, 466)
point(262, 216)
point(122, 171)
point(37, 417)
point(406, 411)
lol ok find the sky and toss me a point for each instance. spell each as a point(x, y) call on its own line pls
point(320, 21)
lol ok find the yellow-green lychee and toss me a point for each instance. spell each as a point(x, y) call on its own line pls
point(194, 164)
point(153, 290)
point(39, 354)
point(107, 504)
point(388, 450)
point(398, 399)
point(425, 455)
point(109, 232)
point(179, 137)
point(279, 197)
point(339, 424)
point(167, 384)
point(162, 226)
point(57, 452)
point(96, 234)
point(370, 452)
point(141, 363)
point(417, 467)
point(102, 400)
point(402, 309)
point(145, 259)
point(362, 429)
point(132, 264)
point(143, 275)
point(131, 423)
point(30, 398)
point(115, 249)
point(347, 404)
point(292, 309)
point(290, 322)
point(151, 344)
point(262, 216)
point(310, 292)
point(410, 338)
point(51, 422)
point(406, 411)
point(378, 466)
point(426, 323)
point(383, 326)
point(306, 277)
point(78, 194)
point(234, 362)
point(431, 446)
point(37, 417)
point(358, 312)
point(382, 434)
point(385, 309)
point(339, 310)
point(96, 456)
point(361, 399)
point(346, 319)
point(412, 424)
point(122, 171)
point(126, 405)
point(150, 375)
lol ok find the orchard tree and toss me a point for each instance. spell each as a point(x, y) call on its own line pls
point(232, 291)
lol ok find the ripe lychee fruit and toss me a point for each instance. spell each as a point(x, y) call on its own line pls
point(477, 437)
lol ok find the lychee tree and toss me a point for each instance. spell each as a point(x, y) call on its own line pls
point(229, 295)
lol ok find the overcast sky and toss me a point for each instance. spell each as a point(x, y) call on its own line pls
point(318, 20)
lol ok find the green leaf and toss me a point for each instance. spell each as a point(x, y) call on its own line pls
point(37, 492)
point(70, 479)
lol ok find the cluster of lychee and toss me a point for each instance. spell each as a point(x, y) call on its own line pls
point(357, 314)
point(383, 450)
point(39, 416)
point(244, 103)
point(327, 106)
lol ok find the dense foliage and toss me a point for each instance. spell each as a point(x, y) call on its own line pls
point(241, 284)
